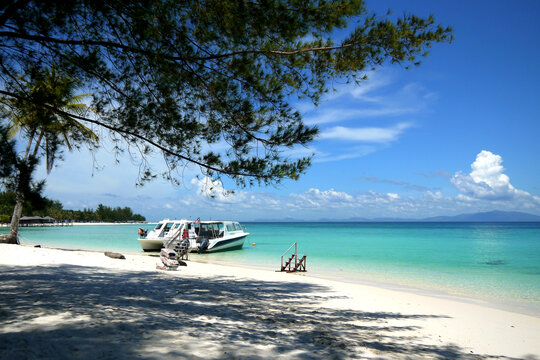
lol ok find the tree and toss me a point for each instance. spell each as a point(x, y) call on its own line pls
point(184, 77)
point(42, 206)
point(29, 113)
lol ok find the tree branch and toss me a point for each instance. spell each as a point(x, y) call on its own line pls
point(112, 44)
point(135, 135)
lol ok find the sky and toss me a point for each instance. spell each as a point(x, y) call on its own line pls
point(458, 134)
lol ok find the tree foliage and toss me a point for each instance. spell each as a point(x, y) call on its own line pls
point(8, 156)
point(15, 176)
point(190, 78)
point(30, 113)
point(46, 131)
point(38, 205)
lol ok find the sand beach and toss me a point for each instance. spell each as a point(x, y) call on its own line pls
point(81, 304)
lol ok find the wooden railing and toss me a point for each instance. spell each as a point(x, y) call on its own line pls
point(299, 264)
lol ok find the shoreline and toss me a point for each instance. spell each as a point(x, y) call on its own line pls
point(505, 304)
point(258, 309)
point(79, 224)
point(524, 308)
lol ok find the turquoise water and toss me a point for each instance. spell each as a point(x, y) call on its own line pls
point(495, 261)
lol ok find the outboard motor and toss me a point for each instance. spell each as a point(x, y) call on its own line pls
point(203, 245)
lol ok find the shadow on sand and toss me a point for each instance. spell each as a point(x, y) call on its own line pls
point(84, 312)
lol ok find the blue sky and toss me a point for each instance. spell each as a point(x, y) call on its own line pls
point(459, 134)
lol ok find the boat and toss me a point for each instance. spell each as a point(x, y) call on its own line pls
point(203, 236)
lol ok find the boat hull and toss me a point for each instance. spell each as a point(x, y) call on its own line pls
point(151, 244)
point(216, 245)
point(225, 245)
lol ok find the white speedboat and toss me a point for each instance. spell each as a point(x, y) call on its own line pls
point(203, 236)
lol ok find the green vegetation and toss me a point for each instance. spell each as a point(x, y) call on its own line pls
point(41, 206)
point(180, 76)
point(184, 78)
point(46, 132)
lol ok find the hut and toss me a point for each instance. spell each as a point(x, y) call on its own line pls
point(36, 220)
point(29, 220)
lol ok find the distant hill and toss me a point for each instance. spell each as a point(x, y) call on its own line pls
point(352, 219)
point(490, 216)
point(288, 219)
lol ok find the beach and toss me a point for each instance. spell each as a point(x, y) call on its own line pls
point(81, 304)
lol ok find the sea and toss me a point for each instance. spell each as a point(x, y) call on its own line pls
point(494, 263)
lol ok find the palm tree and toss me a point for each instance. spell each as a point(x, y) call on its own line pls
point(47, 131)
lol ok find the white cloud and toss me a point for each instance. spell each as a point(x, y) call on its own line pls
point(214, 195)
point(351, 153)
point(378, 96)
point(214, 189)
point(300, 152)
point(367, 134)
point(322, 156)
point(432, 196)
point(367, 90)
point(487, 181)
point(486, 187)
point(375, 80)
point(382, 97)
point(326, 116)
point(373, 197)
point(315, 198)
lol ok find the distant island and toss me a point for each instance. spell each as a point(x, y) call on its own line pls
point(490, 216)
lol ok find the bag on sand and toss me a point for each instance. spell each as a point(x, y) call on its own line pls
point(170, 264)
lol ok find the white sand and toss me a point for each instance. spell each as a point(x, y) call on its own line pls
point(77, 304)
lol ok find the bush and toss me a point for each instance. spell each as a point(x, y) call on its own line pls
point(4, 219)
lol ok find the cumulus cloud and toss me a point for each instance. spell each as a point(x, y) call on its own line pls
point(332, 199)
point(315, 198)
point(214, 189)
point(486, 187)
point(487, 181)
point(214, 194)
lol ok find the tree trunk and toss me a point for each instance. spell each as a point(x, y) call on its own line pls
point(8, 239)
point(23, 179)
point(12, 237)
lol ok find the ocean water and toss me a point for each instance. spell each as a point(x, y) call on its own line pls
point(498, 262)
